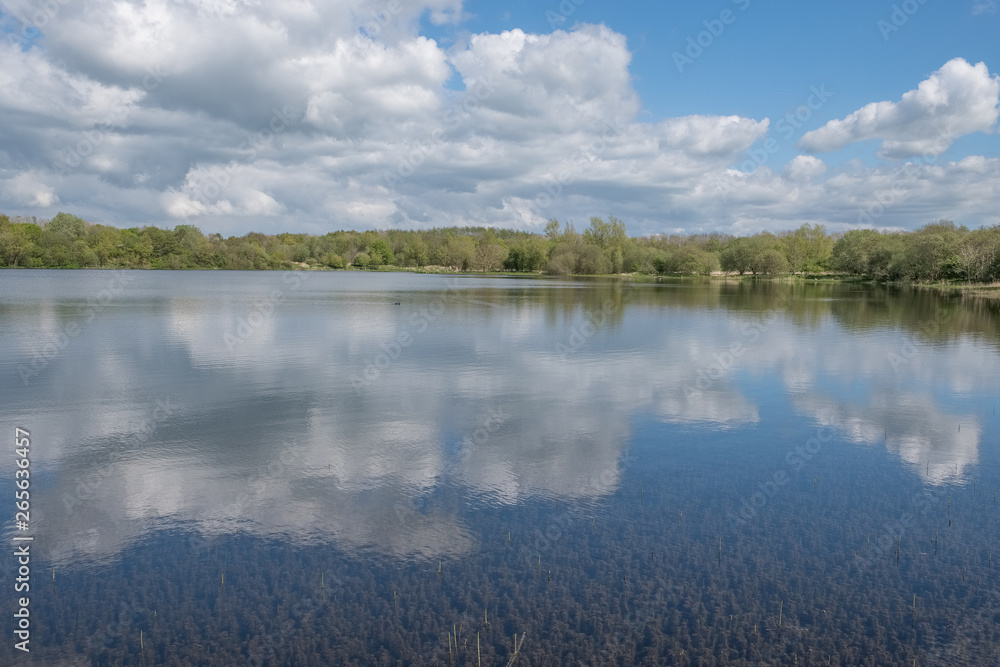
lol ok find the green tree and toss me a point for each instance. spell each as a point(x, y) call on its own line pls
point(932, 252)
point(689, 258)
point(578, 258)
point(106, 243)
point(756, 254)
point(592, 261)
point(771, 262)
point(610, 237)
point(164, 242)
point(380, 253)
point(552, 229)
point(196, 249)
point(807, 248)
point(868, 253)
point(414, 252)
point(850, 252)
point(67, 226)
point(641, 257)
point(527, 254)
point(457, 252)
point(85, 257)
point(138, 249)
point(490, 254)
point(738, 255)
point(16, 244)
point(564, 260)
point(938, 251)
point(605, 234)
point(978, 254)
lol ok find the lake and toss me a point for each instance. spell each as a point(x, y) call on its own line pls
point(319, 468)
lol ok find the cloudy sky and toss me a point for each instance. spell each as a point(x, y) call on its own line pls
point(313, 115)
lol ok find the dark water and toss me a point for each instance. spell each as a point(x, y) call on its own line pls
point(292, 469)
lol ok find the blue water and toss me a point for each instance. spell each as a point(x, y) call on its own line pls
point(344, 468)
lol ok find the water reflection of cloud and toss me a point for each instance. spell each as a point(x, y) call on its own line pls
point(724, 408)
point(937, 445)
point(369, 464)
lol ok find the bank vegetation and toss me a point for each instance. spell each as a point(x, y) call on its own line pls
point(938, 252)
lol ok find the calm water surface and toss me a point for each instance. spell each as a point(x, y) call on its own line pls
point(351, 468)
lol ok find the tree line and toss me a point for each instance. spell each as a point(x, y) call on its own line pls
point(938, 251)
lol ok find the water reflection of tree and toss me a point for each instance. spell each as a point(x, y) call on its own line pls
point(929, 313)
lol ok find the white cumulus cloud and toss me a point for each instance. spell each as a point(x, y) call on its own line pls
point(954, 101)
point(805, 167)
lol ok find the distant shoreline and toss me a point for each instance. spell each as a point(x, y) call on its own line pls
point(984, 290)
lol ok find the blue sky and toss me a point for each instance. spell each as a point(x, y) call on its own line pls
point(764, 63)
point(455, 113)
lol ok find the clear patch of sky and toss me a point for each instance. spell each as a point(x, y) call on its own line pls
point(14, 30)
